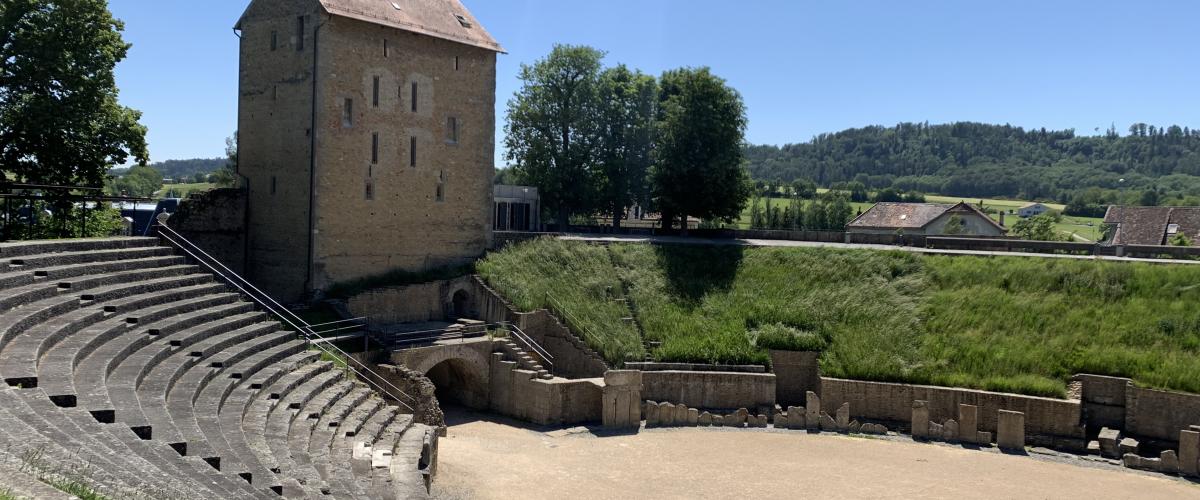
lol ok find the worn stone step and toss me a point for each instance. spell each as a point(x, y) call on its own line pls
point(309, 397)
point(23, 248)
point(253, 422)
point(32, 262)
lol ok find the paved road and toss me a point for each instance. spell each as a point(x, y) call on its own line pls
point(679, 240)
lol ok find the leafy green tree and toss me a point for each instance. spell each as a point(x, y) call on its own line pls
point(627, 102)
point(1180, 240)
point(552, 130)
point(1149, 198)
point(140, 182)
point(698, 169)
point(756, 212)
point(1039, 228)
point(60, 121)
point(804, 188)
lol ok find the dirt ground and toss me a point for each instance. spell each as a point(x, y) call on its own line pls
point(496, 459)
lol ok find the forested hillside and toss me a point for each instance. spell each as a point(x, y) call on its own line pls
point(981, 160)
point(186, 169)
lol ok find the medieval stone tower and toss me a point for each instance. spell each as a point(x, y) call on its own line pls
point(366, 137)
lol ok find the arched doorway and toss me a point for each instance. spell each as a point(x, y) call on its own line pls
point(457, 383)
point(460, 304)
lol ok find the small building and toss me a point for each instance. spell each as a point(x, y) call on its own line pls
point(1152, 225)
point(517, 208)
point(1032, 210)
point(929, 219)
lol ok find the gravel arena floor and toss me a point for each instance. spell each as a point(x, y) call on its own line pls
point(486, 457)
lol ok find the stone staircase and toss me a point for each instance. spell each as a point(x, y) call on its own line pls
point(130, 371)
point(513, 351)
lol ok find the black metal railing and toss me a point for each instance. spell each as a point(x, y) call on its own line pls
point(314, 335)
point(462, 333)
point(32, 200)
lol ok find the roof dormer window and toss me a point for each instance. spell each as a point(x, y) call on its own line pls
point(463, 21)
point(1172, 229)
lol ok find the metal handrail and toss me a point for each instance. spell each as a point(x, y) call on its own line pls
point(287, 316)
point(557, 306)
point(524, 338)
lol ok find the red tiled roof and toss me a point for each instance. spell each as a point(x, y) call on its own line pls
point(888, 215)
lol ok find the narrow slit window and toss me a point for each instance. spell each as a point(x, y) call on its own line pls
point(272, 184)
point(375, 148)
point(387, 51)
point(414, 97)
point(412, 151)
point(441, 186)
point(456, 65)
point(452, 130)
point(300, 34)
point(375, 92)
point(348, 113)
point(274, 40)
point(370, 190)
point(275, 93)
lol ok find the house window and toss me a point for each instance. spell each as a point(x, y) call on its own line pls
point(375, 92)
point(274, 40)
point(412, 151)
point(375, 148)
point(452, 130)
point(441, 186)
point(414, 97)
point(300, 34)
point(1172, 229)
point(463, 21)
point(348, 113)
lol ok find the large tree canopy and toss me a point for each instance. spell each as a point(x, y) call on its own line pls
point(698, 169)
point(627, 103)
point(551, 134)
point(60, 122)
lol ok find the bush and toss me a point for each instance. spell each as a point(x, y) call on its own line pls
point(781, 337)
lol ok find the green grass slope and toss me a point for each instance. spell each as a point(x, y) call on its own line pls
point(1009, 324)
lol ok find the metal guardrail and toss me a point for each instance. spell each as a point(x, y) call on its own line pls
point(421, 337)
point(557, 308)
point(311, 336)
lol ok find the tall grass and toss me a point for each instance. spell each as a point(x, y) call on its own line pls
point(1009, 324)
point(576, 277)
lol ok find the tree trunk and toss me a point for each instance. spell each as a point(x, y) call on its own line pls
point(564, 219)
point(668, 219)
point(683, 225)
point(616, 219)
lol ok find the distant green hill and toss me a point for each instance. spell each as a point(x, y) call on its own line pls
point(997, 161)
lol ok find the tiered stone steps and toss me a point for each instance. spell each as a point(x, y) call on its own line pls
point(525, 361)
point(131, 371)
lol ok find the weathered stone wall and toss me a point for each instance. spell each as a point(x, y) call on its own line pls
point(710, 390)
point(216, 222)
point(693, 367)
point(572, 357)
point(490, 306)
point(622, 406)
point(423, 403)
point(796, 374)
point(1159, 415)
point(355, 211)
point(413, 303)
point(1049, 422)
point(1103, 401)
point(519, 394)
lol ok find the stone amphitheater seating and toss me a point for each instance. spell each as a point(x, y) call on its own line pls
point(137, 374)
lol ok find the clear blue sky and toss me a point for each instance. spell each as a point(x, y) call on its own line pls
point(804, 67)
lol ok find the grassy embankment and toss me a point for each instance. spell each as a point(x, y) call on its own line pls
point(1010, 324)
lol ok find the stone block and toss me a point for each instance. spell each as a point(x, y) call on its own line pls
point(1093, 448)
point(1129, 445)
point(623, 378)
point(693, 417)
point(681, 414)
point(950, 433)
point(983, 438)
point(718, 421)
point(935, 431)
point(920, 420)
point(1109, 440)
point(705, 419)
point(827, 423)
point(1010, 430)
point(843, 417)
point(812, 410)
point(855, 427)
point(760, 421)
point(666, 414)
point(1169, 462)
point(741, 418)
point(968, 423)
point(1189, 452)
point(1133, 461)
point(781, 421)
point(652, 414)
point(796, 417)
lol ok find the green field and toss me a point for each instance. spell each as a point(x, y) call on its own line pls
point(182, 190)
point(1075, 228)
point(1012, 324)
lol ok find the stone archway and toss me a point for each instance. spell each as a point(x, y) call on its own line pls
point(459, 303)
point(460, 373)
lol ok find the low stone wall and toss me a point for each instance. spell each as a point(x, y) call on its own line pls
point(424, 404)
point(1159, 415)
point(412, 303)
point(711, 390)
point(1048, 422)
point(1103, 401)
point(690, 367)
point(796, 373)
point(571, 356)
point(216, 222)
point(519, 394)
